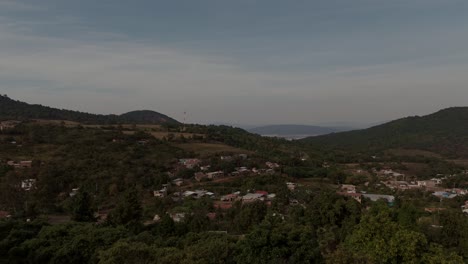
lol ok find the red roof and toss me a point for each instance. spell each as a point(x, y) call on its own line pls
point(223, 205)
point(350, 194)
point(4, 214)
point(262, 192)
point(211, 216)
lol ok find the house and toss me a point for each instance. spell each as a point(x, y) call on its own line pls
point(242, 170)
point(189, 163)
point(25, 164)
point(272, 165)
point(348, 188)
point(434, 209)
point(199, 176)
point(205, 168)
point(161, 193)
point(445, 195)
point(4, 214)
point(28, 184)
point(222, 205)
point(188, 193)
point(178, 217)
point(466, 205)
point(74, 192)
point(20, 165)
point(427, 184)
point(460, 191)
point(197, 194)
point(143, 142)
point(293, 202)
point(355, 196)
point(253, 197)
point(211, 216)
point(178, 182)
point(230, 197)
point(391, 173)
point(291, 186)
point(243, 156)
point(8, 125)
point(375, 197)
point(437, 181)
point(215, 175)
point(400, 185)
point(226, 158)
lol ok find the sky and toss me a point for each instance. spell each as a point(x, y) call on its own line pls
point(238, 61)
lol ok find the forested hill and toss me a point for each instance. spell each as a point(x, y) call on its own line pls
point(444, 132)
point(13, 109)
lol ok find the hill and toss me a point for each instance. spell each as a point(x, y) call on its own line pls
point(146, 117)
point(13, 109)
point(444, 132)
point(294, 130)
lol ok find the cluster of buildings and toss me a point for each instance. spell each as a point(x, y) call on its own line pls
point(199, 176)
point(20, 164)
point(226, 201)
point(349, 190)
point(26, 184)
point(4, 125)
point(190, 163)
point(465, 207)
point(431, 184)
point(205, 171)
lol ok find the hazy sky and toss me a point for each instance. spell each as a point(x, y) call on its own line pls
point(238, 61)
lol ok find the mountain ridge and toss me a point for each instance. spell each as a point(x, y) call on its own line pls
point(15, 109)
point(293, 129)
point(445, 131)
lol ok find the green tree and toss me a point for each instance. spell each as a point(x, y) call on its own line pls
point(283, 243)
point(128, 211)
point(131, 253)
point(82, 208)
point(381, 240)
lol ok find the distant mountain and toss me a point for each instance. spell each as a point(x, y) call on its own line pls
point(294, 131)
point(444, 132)
point(146, 117)
point(13, 109)
point(243, 126)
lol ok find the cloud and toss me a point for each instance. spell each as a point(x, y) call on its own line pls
point(11, 5)
point(107, 72)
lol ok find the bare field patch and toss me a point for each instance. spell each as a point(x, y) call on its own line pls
point(461, 162)
point(176, 135)
point(413, 152)
point(210, 148)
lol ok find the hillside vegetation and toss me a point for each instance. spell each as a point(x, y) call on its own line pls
point(72, 192)
point(13, 109)
point(444, 132)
